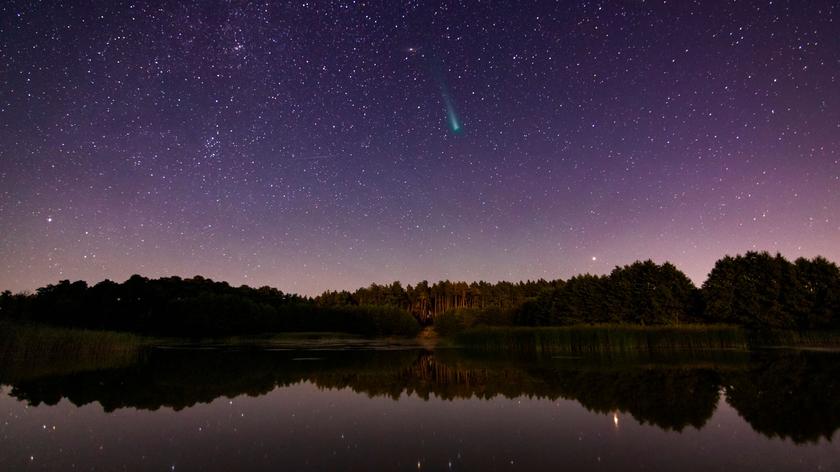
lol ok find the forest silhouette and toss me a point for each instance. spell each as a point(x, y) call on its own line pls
point(756, 291)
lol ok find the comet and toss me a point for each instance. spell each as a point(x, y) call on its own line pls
point(452, 120)
point(451, 116)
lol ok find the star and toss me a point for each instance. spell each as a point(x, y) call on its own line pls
point(378, 146)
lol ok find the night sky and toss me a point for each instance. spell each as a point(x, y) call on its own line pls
point(316, 145)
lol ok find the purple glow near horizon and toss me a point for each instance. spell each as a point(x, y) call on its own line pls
point(310, 146)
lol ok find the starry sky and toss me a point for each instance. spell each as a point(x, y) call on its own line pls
point(316, 145)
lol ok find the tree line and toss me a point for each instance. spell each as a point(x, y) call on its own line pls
point(195, 307)
point(426, 302)
point(755, 290)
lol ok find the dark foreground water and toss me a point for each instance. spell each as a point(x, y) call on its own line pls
point(235, 409)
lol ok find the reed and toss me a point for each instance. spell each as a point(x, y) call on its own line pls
point(30, 351)
point(795, 339)
point(593, 339)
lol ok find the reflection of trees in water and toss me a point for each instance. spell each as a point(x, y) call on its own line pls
point(670, 398)
point(792, 395)
point(182, 378)
point(796, 395)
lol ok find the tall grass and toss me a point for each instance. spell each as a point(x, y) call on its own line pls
point(30, 351)
point(797, 339)
point(589, 339)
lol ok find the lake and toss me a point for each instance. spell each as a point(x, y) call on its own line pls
point(403, 408)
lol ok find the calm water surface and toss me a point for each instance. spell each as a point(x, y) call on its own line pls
point(229, 409)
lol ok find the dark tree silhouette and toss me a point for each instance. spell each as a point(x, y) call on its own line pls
point(756, 290)
point(195, 307)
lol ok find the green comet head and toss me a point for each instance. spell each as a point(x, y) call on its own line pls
point(455, 125)
point(452, 118)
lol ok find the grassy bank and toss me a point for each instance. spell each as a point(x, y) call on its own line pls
point(619, 338)
point(796, 339)
point(586, 339)
point(30, 350)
